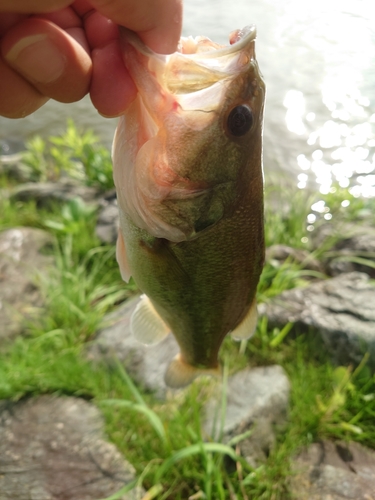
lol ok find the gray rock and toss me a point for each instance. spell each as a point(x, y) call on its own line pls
point(47, 192)
point(21, 258)
point(54, 449)
point(281, 253)
point(257, 399)
point(334, 471)
point(108, 221)
point(349, 241)
point(11, 166)
point(359, 245)
point(146, 364)
point(341, 309)
point(9, 147)
point(340, 232)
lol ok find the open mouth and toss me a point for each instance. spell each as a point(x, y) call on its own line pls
point(203, 45)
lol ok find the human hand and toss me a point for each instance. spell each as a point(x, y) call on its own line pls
point(64, 49)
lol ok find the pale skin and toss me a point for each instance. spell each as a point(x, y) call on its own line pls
point(65, 49)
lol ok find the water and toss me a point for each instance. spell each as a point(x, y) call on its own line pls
point(318, 61)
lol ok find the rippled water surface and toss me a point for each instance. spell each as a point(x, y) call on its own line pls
point(318, 61)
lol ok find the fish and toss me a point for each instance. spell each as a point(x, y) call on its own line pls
point(187, 166)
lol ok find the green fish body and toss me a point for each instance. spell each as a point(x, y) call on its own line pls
point(188, 172)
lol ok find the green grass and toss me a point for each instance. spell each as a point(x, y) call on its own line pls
point(163, 440)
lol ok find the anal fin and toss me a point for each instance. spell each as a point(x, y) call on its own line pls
point(180, 374)
point(122, 258)
point(146, 324)
point(246, 328)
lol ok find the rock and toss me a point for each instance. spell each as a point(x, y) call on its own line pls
point(21, 258)
point(334, 471)
point(281, 253)
point(359, 245)
point(146, 364)
point(54, 449)
point(257, 398)
point(46, 192)
point(108, 220)
point(350, 241)
point(337, 266)
point(340, 232)
point(341, 309)
point(10, 148)
point(11, 163)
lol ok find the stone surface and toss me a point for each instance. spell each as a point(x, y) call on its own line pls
point(341, 309)
point(351, 240)
point(281, 253)
point(359, 245)
point(257, 399)
point(21, 258)
point(108, 219)
point(11, 165)
point(146, 364)
point(334, 471)
point(47, 192)
point(54, 449)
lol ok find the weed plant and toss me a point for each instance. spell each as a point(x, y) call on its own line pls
point(164, 440)
point(73, 154)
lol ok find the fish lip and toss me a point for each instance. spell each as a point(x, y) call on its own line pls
point(206, 67)
point(249, 35)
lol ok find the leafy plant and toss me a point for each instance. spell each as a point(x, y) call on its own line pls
point(75, 154)
point(81, 155)
point(75, 214)
point(41, 168)
point(334, 419)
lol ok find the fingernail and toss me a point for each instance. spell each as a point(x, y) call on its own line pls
point(37, 58)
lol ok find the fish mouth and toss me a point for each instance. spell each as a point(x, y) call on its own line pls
point(238, 40)
point(199, 62)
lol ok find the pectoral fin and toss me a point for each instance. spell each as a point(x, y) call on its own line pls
point(247, 326)
point(122, 258)
point(180, 374)
point(145, 323)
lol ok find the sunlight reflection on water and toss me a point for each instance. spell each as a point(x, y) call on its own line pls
point(342, 145)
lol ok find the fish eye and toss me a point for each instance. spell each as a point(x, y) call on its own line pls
point(240, 120)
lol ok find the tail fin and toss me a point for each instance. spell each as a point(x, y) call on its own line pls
point(180, 374)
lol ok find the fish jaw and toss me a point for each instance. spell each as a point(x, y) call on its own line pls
point(183, 98)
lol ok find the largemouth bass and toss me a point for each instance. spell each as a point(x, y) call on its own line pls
point(187, 159)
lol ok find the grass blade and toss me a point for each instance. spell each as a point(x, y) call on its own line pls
point(281, 336)
point(152, 417)
point(196, 449)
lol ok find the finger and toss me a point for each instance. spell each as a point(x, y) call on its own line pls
point(49, 58)
point(111, 89)
point(28, 7)
point(158, 22)
point(17, 97)
point(7, 20)
point(69, 21)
